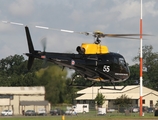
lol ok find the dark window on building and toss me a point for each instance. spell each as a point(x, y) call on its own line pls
point(137, 102)
point(84, 101)
point(78, 101)
point(91, 102)
point(143, 101)
point(151, 103)
point(7, 96)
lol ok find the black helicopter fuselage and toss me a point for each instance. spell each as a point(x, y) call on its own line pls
point(102, 67)
point(97, 67)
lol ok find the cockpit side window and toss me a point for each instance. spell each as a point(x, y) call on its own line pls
point(122, 61)
point(115, 61)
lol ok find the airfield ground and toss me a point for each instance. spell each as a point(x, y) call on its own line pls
point(84, 117)
point(77, 118)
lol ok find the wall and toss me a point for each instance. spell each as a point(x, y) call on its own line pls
point(13, 104)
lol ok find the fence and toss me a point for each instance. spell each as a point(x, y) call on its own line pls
point(115, 111)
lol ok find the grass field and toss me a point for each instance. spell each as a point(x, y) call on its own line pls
point(84, 117)
point(79, 118)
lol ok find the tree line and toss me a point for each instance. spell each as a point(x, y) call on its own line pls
point(150, 69)
point(13, 72)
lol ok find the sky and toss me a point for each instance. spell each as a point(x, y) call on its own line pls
point(108, 16)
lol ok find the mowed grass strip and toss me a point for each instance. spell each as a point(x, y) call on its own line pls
point(79, 117)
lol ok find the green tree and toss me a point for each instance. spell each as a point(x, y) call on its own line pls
point(53, 78)
point(150, 62)
point(13, 72)
point(11, 64)
point(123, 101)
point(11, 69)
point(69, 92)
point(134, 75)
point(100, 99)
point(156, 105)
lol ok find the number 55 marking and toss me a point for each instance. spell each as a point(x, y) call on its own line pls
point(106, 68)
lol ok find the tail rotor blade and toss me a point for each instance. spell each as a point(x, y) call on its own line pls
point(43, 41)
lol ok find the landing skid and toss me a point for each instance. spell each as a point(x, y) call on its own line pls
point(113, 86)
point(74, 78)
point(72, 84)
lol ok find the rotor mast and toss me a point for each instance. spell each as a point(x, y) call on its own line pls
point(97, 35)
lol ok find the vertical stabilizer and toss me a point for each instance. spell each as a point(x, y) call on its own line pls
point(29, 40)
point(30, 47)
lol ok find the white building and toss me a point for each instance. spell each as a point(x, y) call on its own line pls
point(88, 95)
point(23, 98)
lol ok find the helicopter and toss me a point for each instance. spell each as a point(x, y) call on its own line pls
point(93, 61)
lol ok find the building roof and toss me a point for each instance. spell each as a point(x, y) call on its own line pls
point(109, 90)
point(131, 91)
point(22, 90)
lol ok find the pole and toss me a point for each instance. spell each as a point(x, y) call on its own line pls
point(141, 63)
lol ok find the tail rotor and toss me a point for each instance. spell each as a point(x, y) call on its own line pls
point(43, 42)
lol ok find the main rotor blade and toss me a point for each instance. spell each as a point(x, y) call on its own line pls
point(96, 34)
point(121, 35)
point(13, 23)
point(61, 30)
point(99, 34)
point(127, 36)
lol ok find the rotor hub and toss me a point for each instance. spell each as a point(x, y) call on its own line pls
point(98, 34)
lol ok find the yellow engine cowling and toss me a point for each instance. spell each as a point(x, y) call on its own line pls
point(86, 48)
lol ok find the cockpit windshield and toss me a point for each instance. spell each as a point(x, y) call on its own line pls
point(122, 61)
point(121, 64)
